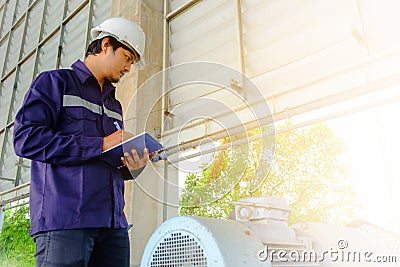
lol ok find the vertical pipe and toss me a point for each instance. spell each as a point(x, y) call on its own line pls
point(242, 57)
point(62, 28)
point(89, 24)
point(164, 98)
point(363, 28)
point(35, 70)
point(18, 164)
point(239, 20)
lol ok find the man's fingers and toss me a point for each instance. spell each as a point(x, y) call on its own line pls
point(135, 155)
point(145, 155)
point(133, 161)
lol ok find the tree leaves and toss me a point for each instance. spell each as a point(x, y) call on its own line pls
point(16, 246)
point(306, 169)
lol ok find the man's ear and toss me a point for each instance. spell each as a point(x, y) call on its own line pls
point(105, 43)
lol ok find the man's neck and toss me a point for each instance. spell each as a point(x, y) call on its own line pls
point(92, 66)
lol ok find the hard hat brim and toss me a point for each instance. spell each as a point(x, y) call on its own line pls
point(140, 64)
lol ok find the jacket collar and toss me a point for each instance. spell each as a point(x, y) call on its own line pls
point(84, 74)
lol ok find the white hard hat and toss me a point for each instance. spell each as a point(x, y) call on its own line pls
point(126, 32)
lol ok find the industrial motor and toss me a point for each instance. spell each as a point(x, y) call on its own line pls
point(259, 235)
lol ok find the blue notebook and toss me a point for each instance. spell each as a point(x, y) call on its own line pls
point(139, 142)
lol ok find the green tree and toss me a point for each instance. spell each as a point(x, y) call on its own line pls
point(16, 246)
point(306, 170)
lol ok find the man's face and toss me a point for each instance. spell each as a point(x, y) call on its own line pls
point(118, 63)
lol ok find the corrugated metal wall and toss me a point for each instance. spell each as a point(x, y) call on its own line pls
point(303, 56)
point(37, 35)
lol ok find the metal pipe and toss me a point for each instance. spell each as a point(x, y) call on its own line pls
point(10, 200)
point(164, 97)
point(242, 57)
point(6, 178)
point(292, 127)
point(20, 192)
point(16, 206)
point(3, 193)
point(180, 10)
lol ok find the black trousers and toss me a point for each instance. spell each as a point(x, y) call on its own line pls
point(96, 247)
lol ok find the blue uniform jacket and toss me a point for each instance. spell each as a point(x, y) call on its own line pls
point(60, 127)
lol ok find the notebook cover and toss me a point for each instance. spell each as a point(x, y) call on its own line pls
point(139, 142)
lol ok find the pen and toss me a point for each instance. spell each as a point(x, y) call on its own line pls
point(117, 126)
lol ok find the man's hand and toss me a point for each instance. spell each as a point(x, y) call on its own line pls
point(133, 161)
point(115, 138)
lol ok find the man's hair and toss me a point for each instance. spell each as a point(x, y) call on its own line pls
point(95, 46)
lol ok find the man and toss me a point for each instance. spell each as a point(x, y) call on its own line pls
point(69, 116)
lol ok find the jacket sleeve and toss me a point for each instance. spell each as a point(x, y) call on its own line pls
point(35, 136)
point(130, 175)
